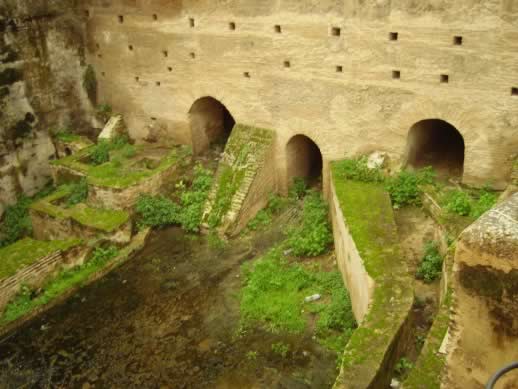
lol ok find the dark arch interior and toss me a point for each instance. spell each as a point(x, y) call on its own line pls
point(211, 123)
point(304, 160)
point(438, 144)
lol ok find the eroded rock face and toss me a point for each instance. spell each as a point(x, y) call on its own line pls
point(484, 330)
point(41, 67)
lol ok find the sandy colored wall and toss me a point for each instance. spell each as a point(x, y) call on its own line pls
point(484, 328)
point(359, 109)
point(359, 284)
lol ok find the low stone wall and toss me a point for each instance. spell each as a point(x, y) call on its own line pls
point(38, 272)
point(125, 198)
point(483, 333)
point(367, 247)
point(47, 227)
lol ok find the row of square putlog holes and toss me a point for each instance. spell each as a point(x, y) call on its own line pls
point(335, 31)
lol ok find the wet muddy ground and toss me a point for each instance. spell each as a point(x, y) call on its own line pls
point(166, 319)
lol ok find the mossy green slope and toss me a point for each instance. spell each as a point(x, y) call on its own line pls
point(27, 251)
point(369, 216)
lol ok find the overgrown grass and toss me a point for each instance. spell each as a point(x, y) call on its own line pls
point(273, 298)
point(431, 266)
point(357, 170)
point(264, 217)
point(313, 237)
point(406, 187)
point(78, 192)
point(154, 211)
point(16, 222)
point(472, 204)
point(27, 299)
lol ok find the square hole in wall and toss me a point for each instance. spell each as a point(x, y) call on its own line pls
point(103, 74)
point(97, 46)
point(155, 17)
point(153, 118)
point(232, 26)
point(393, 36)
point(457, 40)
point(287, 64)
point(192, 55)
point(396, 74)
point(444, 78)
point(514, 91)
point(246, 74)
point(87, 13)
point(121, 19)
point(277, 28)
point(137, 78)
point(165, 53)
point(99, 55)
point(336, 31)
point(339, 69)
point(191, 22)
point(169, 68)
point(130, 47)
point(157, 83)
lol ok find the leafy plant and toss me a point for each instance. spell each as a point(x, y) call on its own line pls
point(484, 203)
point(16, 222)
point(100, 153)
point(431, 266)
point(458, 202)
point(251, 355)
point(280, 349)
point(79, 192)
point(403, 367)
point(313, 237)
point(155, 211)
point(298, 188)
point(264, 217)
point(405, 188)
point(358, 170)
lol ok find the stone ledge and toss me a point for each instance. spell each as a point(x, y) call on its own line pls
point(373, 349)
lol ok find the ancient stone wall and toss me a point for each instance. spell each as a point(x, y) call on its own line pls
point(41, 68)
point(485, 282)
point(353, 76)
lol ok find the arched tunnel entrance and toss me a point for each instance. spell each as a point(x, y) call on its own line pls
point(436, 143)
point(304, 160)
point(211, 123)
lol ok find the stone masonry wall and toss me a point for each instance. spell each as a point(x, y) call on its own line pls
point(41, 68)
point(325, 69)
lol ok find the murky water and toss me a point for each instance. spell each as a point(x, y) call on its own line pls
point(165, 319)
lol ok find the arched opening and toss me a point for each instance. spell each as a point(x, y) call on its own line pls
point(304, 160)
point(211, 123)
point(436, 143)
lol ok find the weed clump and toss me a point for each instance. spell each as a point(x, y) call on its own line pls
point(462, 203)
point(431, 266)
point(313, 237)
point(358, 170)
point(78, 192)
point(405, 188)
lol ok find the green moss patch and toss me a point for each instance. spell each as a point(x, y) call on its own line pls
point(27, 251)
point(107, 220)
point(123, 169)
point(368, 213)
point(244, 154)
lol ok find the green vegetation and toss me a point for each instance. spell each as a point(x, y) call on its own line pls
point(406, 187)
point(472, 204)
point(368, 211)
point(124, 167)
point(107, 220)
point(26, 251)
point(263, 218)
point(78, 192)
point(251, 355)
point(431, 266)
point(313, 237)
point(403, 367)
point(298, 189)
point(64, 135)
point(273, 297)
point(16, 222)
point(155, 211)
point(27, 300)
point(280, 349)
point(230, 180)
point(357, 170)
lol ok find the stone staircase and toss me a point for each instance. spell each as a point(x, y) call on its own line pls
point(242, 159)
